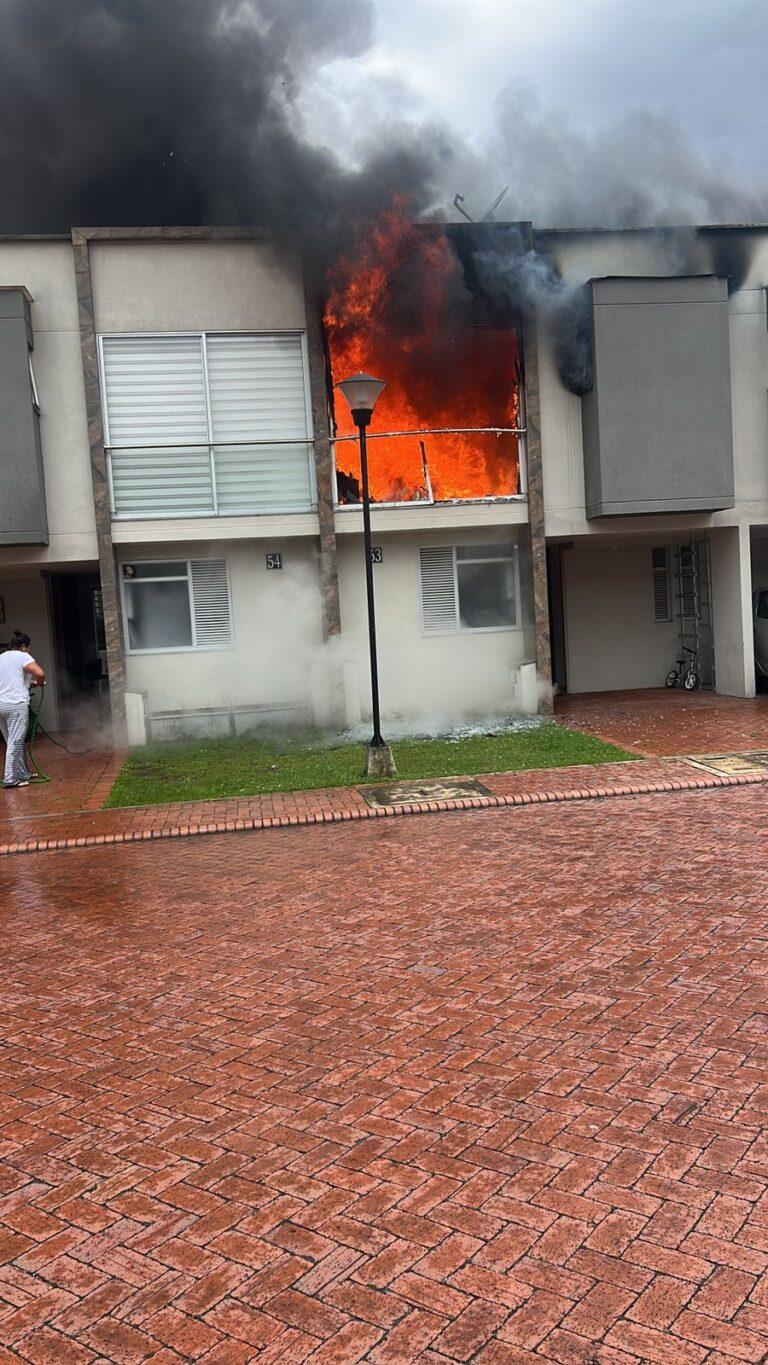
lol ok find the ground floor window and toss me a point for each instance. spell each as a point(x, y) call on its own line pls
point(469, 587)
point(176, 604)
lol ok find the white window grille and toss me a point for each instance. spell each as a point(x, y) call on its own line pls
point(662, 597)
point(207, 424)
point(176, 604)
point(469, 587)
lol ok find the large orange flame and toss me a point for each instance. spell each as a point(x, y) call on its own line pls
point(399, 309)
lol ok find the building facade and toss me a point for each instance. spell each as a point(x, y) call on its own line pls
point(178, 535)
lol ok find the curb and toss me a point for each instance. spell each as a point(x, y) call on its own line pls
point(464, 803)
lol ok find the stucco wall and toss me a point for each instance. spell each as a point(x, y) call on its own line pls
point(26, 608)
point(276, 649)
point(731, 574)
point(46, 269)
point(440, 679)
point(612, 640)
point(749, 381)
point(196, 286)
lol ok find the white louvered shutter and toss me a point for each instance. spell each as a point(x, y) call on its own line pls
point(660, 568)
point(687, 583)
point(438, 589)
point(257, 392)
point(154, 390)
point(210, 601)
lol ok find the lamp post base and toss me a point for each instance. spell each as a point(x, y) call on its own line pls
point(379, 761)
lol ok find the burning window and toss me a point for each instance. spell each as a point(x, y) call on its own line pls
point(448, 424)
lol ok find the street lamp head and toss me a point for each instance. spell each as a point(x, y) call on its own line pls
point(361, 392)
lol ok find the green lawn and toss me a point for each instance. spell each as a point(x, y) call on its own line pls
point(194, 770)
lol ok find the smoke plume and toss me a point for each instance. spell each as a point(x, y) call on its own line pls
point(146, 112)
point(638, 171)
point(161, 112)
point(526, 282)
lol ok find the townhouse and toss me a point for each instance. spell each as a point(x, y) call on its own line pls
point(180, 530)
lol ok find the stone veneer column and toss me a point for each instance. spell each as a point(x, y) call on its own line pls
point(107, 564)
point(318, 382)
point(536, 512)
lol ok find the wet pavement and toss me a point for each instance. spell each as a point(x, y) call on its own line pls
point(667, 721)
point(488, 1086)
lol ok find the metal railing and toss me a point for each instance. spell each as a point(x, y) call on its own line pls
point(212, 447)
point(307, 443)
point(429, 499)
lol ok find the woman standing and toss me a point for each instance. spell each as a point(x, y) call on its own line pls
point(17, 672)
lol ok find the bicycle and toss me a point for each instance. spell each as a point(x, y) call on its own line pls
point(686, 674)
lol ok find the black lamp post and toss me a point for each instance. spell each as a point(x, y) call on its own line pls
point(361, 392)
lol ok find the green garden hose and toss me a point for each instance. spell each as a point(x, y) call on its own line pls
point(35, 722)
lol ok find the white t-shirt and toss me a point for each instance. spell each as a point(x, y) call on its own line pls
point(14, 682)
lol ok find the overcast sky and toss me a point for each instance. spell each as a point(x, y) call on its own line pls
point(612, 113)
point(595, 66)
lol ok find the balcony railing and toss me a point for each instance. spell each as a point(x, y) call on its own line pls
point(417, 487)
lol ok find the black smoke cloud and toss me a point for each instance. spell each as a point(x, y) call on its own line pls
point(163, 112)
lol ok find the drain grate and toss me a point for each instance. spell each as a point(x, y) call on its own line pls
point(408, 793)
point(752, 763)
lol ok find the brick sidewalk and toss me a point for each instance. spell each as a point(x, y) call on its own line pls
point(332, 805)
point(469, 1088)
point(67, 811)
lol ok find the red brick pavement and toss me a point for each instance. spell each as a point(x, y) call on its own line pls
point(487, 1087)
point(667, 721)
point(67, 811)
point(338, 804)
point(79, 781)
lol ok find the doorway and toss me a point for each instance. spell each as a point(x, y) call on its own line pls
point(81, 652)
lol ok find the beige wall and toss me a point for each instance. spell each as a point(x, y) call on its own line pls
point(278, 655)
point(731, 573)
point(46, 269)
point(196, 286)
point(612, 640)
point(276, 649)
point(440, 679)
point(25, 598)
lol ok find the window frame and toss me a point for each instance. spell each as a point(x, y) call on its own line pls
point(202, 336)
point(487, 500)
point(459, 628)
point(194, 648)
